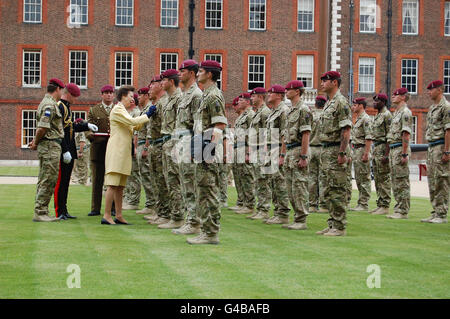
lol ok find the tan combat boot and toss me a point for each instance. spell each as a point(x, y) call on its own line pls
point(397, 216)
point(244, 210)
point(359, 208)
point(126, 206)
point(158, 221)
point(295, 226)
point(438, 220)
point(44, 218)
point(172, 224)
point(253, 215)
point(146, 211)
point(381, 211)
point(428, 220)
point(237, 207)
point(374, 210)
point(261, 216)
point(187, 229)
point(322, 211)
point(203, 239)
point(323, 231)
point(313, 209)
point(333, 232)
point(277, 220)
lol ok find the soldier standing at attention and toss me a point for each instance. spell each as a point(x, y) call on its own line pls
point(298, 129)
point(142, 156)
point(316, 178)
point(189, 104)
point(438, 164)
point(276, 125)
point(132, 191)
point(257, 143)
point(335, 127)
point(47, 142)
point(398, 139)
point(80, 172)
point(245, 169)
point(380, 157)
point(209, 121)
point(99, 115)
point(361, 135)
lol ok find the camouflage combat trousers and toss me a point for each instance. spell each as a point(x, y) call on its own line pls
point(207, 177)
point(362, 176)
point(132, 191)
point(156, 169)
point(335, 187)
point(316, 178)
point(280, 197)
point(171, 171)
point(438, 180)
point(238, 184)
point(188, 171)
point(247, 180)
point(262, 189)
point(297, 185)
point(147, 180)
point(400, 181)
point(49, 153)
point(381, 173)
point(80, 171)
point(223, 197)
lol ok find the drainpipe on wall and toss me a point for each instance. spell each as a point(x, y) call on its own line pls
point(350, 71)
point(191, 29)
point(389, 52)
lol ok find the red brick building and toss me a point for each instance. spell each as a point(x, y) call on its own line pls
point(258, 42)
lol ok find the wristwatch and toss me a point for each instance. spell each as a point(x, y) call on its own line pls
point(282, 155)
point(145, 148)
point(342, 154)
point(447, 153)
point(404, 155)
point(303, 156)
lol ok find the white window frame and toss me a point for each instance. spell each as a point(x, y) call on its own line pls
point(256, 73)
point(406, 75)
point(414, 130)
point(367, 79)
point(75, 78)
point(79, 114)
point(34, 12)
point(126, 70)
point(177, 18)
point(447, 19)
point(300, 5)
point(213, 57)
point(161, 69)
point(368, 8)
point(123, 7)
point(23, 68)
point(308, 74)
point(250, 16)
point(217, 2)
point(76, 12)
point(33, 128)
point(446, 76)
point(411, 3)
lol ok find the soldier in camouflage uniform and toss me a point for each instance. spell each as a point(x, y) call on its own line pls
point(398, 139)
point(298, 129)
point(438, 157)
point(80, 172)
point(316, 177)
point(132, 191)
point(276, 125)
point(380, 156)
point(256, 145)
point(335, 127)
point(189, 104)
point(209, 121)
point(143, 158)
point(361, 135)
point(244, 168)
point(47, 142)
point(159, 98)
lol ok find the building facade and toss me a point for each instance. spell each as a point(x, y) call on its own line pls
point(258, 43)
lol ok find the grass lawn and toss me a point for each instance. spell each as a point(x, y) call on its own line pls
point(253, 260)
point(19, 171)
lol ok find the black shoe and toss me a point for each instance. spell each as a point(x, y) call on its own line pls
point(62, 217)
point(69, 216)
point(120, 223)
point(105, 222)
point(94, 213)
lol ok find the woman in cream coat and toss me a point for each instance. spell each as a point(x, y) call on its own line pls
point(118, 153)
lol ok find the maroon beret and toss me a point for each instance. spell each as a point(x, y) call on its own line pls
point(235, 101)
point(245, 95)
point(435, 84)
point(135, 96)
point(169, 73)
point(258, 90)
point(321, 98)
point(73, 89)
point(107, 88)
point(209, 64)
point(57, 82)
point(330, 75)
point(400, 91)
point(187, 64)
point(296, 84)
point(277, 89)
point(143, 90)
point(359, 100)
point(381, 96)
point(156, 78)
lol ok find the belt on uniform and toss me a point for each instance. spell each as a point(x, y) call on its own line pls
point(157, 141)
point(180, 133)
point(165, 138)
point(240, 144)
point(331, 144)
point(319, 145)
point(376, 143)
point(434, 143)
point(141, 142)
point(358, 145)
point(269, 146)
point(395, 145)
point(293, 145)
point(57, 140)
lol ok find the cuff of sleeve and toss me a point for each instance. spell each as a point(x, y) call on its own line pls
point(447, 126)
point(219, 119)
point(407, 129)
point(305, 128)
point(345, 123)
point(44, 125)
